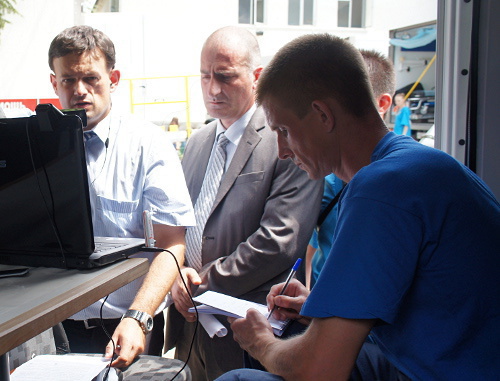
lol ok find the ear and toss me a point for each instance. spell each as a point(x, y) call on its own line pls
point(325, 113)
point(384, 103)
point(256, 75)
point(53, 81)
point(114, 76)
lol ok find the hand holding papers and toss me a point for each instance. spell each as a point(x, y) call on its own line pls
point(219, 304)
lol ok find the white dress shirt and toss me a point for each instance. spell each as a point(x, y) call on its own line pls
point(138, 170)
point(233, 133)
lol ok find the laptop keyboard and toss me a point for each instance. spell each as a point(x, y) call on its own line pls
point(104, 246)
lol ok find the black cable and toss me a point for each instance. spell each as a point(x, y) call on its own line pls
point(471, 147)
point(159, 250)
point(51, 215)
point(195, 309)
point(105, 378)
point(106, 145)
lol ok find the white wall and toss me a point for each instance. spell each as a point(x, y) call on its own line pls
point(398, 14)
point(409, 67)
point(164, 38)
point(24, 44)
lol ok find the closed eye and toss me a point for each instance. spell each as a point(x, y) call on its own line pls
point(225, 78)
point(68, 80)
point(91, 79)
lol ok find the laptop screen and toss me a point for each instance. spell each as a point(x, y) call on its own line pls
point(44, 195)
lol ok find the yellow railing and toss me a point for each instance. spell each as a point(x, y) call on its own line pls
point(420, 78)
point(185, 100)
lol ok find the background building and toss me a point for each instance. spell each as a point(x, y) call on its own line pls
point(163, 38)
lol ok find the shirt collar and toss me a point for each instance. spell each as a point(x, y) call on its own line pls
point(103, 127)
point(235, 131)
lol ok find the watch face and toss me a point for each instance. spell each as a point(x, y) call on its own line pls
point(149, 324)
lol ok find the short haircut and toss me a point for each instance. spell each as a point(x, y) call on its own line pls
point(238, 38)
point(317, 67)
point(80, 39)
point(380, 71)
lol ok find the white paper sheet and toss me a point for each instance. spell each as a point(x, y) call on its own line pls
point(220, 304)
point(60, 368)
point(212, 325)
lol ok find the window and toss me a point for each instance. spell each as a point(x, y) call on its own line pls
point(115, 5)
point(300, 12)
point(350, 13)
point(251, 11)
point(97, 6)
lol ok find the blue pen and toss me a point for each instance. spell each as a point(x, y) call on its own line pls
point(290, 276)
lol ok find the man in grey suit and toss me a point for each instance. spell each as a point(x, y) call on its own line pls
point(264, 209)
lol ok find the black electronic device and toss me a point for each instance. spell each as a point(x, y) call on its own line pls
point(45, 215)
point(7, 271)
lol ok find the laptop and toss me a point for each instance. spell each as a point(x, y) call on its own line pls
point(45, 215)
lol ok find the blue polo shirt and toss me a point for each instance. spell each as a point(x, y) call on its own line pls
point(417, 246)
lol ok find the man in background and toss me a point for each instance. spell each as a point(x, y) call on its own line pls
point(132, 167)
point(257, 221)
point(402, 124)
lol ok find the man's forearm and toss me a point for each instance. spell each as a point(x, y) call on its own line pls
point(158, 281)
point(162, 271)
point(278, 356)
point(287, 358)
point(327, 350)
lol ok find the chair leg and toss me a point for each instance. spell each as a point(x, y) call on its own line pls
point(60, 339)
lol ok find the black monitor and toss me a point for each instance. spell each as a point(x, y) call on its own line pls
point(44, 195)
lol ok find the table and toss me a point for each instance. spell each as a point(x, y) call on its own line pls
point(46, 296)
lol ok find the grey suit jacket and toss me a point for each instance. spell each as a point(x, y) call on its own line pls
point(262, 217)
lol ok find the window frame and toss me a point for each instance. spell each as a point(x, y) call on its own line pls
point(362, 16)
point(256, 17)
point(302, 13)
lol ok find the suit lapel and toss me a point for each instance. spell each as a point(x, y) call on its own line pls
point(202, 156)
point(247, 144)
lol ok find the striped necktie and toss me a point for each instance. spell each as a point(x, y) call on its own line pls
point(205, 201)
point(91, 148)
point(87, 135)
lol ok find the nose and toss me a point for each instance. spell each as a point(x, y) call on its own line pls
point(214, 87)
point(284, 151)
point(80, 88)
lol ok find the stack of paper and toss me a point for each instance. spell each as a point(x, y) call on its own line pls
point(60, 368)
point(219, 304)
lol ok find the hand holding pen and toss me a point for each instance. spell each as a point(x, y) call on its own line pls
point(287, 281)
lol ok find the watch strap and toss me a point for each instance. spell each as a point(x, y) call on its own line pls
point(143, 318)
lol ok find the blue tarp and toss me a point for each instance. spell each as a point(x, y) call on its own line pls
point(423, 37)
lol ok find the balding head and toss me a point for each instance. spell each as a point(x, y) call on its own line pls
point(235, 39)
point(229, 71)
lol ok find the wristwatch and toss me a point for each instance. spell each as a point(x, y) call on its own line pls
point(145, 320)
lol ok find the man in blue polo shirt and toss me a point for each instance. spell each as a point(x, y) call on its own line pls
point(415, 257)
